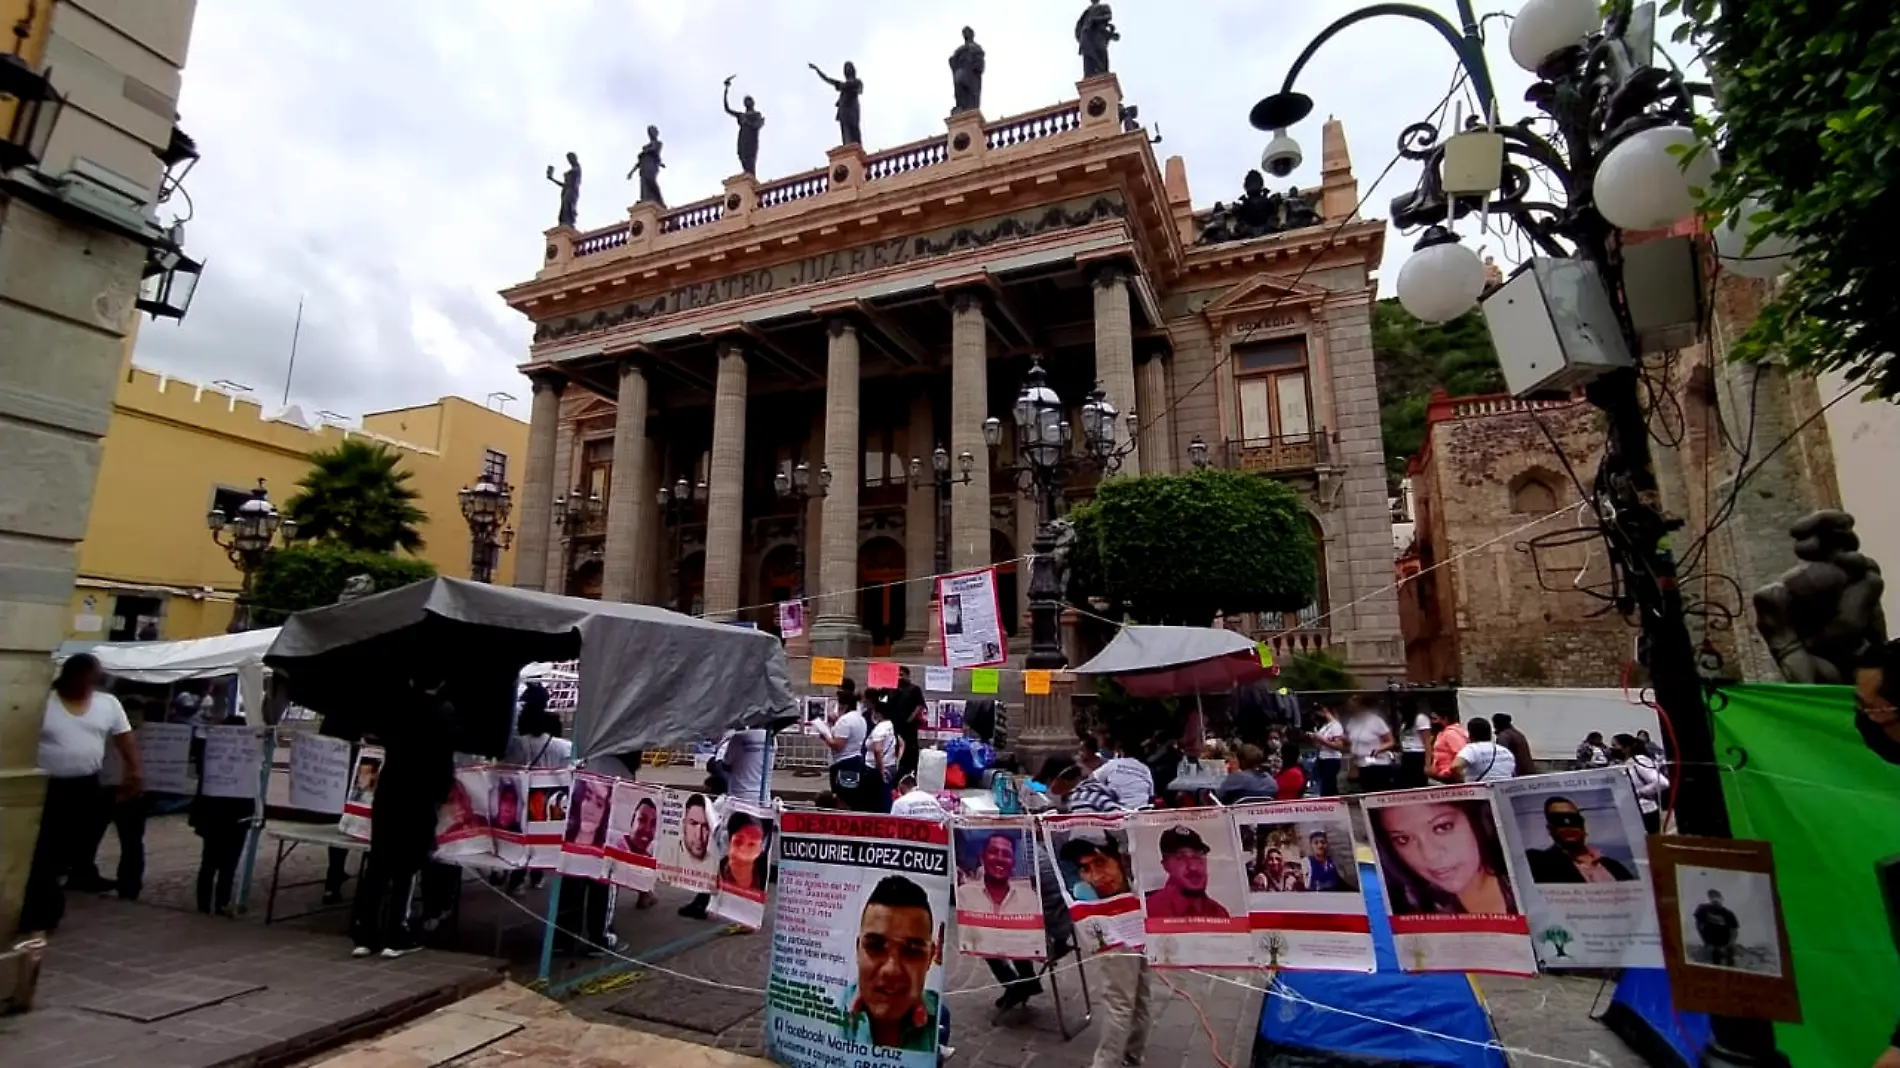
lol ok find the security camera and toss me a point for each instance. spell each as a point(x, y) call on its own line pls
point(1282, 155)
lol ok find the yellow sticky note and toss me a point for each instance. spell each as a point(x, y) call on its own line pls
point(1036, 682)
point(1266, 654)
point(983, 680)
point(827, 671)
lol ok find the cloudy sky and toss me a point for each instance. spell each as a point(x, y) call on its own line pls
point(383, 161)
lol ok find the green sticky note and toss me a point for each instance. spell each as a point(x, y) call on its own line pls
point(983, 680)
point(1266, 654)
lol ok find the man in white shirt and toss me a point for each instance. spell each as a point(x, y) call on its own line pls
point(78, 723)
point(1129, 778)
point(742, 754)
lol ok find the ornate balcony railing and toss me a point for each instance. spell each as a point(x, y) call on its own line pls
point(601, 240)
point(1284, 453)
point(1021, 129)
point(797, 187)
point(1287, 644)
point(702, 213)
point(906, 158)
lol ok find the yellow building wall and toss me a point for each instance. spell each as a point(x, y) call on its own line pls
point(172, 444)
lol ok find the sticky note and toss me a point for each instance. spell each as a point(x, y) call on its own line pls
point(1036, 682)
point(826, 671)
point(1266, 654)
point(882, 676)
point(940, 679)
point(983, 680)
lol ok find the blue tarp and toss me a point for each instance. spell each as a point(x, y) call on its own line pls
point(1293, 1033)
point(1642, 1015)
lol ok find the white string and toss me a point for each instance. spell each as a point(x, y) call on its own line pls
point(809, 597)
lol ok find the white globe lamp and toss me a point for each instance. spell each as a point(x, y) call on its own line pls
point(1643, 185)
point(1545, 27)
point(1442, 280)
point(1769, 258)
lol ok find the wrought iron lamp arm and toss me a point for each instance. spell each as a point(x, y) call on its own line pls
point(1468, 44)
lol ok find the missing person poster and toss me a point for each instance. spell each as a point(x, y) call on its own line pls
point(971, 619)
point(858, 927)
point(633, 835)
point(508, 813)
point(745, 836)
point(1724, 943)
point(687, 859)
point(1193, 894)
point(461, 824)
point(943, 720)
point(1447, 882)
point(319, 772)
point(233, 762)
point(1582, 869)
point(548, 803)
point(362, 796)
point(999, 901)
point(1304, 902)
point(1092, 864)
point(165, 758)
point(586, 827)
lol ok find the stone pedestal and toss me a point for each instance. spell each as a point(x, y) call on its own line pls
point(643, 226)
point(847, 164)
point(1046, 726)
point(1101, 98)
point(560, 248)
point(742, 195)
point(967, 140)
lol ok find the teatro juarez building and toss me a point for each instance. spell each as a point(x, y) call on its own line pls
point(830, 326)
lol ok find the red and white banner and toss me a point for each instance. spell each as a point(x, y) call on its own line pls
point(687, 857)
point(549, 791)
point(998, 892)
point(1304, 901)
point(1092, 862)
point(585, 832)
point(744, 848)
point(1194, 896)
point(1447, 882)
point(633, 835)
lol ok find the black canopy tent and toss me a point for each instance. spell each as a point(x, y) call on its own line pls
point(648, 677)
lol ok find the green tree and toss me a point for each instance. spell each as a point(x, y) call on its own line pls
point(356, 496)
point(1809, 130)
point(1415, 358)
point(312, 575)
point(1182, 548)
point(1309, 672)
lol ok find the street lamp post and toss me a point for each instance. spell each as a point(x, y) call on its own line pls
point(1044, 463)
point(676, 507)
point(247, 537)
point(798, 485)
point(1623, 127)
point(941, 479)
point(486, 506)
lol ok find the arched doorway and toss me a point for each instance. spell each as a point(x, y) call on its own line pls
point(881, 598)
point(1003, 556)
point(585, 580)
point(778, 581)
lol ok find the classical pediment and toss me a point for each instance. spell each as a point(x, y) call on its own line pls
point(1266, 294)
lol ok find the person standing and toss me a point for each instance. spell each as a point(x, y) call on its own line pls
point(418, 771)
point(1651, 784)
point(1513, 739)
point(222, 824)
point(79, 721)
point(1593, 753)
point(881, 756)
point(1330, 742)
point(1716, 926)
point(850, 777)
point(1482, 759)
point(1374, 752)
point(1415, 737)
point(1447, 739)
point(907, 716)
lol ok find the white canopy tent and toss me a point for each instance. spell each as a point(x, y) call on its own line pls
point(165, 663)
point(1555, 721)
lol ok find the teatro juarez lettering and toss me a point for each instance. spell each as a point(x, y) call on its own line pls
point(816, 270)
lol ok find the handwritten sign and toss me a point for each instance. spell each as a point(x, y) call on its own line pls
point(165, 757)
point(234, 759)
point(827, 671)
point(319, 773)
point(940, 679)
point(1036, 683)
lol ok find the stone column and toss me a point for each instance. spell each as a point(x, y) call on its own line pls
point(1151, 395)
point(835, 620)
point(566, 464)
point(629, 493)
point(537, 484)
point(651, 576)
point(815, 511)
point(969, 406)
point(1115, 353)
point(725, 493)
point(920, 522)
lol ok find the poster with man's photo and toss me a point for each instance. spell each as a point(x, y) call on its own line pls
point(1577, 849)
point(943, 720)
point(687, 859)
point(362, 796)
point(508, 813)
point(1724, 942)
point(971, 620)
point(858, 927)
point(549, 791)
point(633, 835)
point(744, 847)
point(587, 826)
point(1193, 894)
point(998, 895)
point(1095, 872)
point(1305, 905)
point(461, 824)
point(1447, 882)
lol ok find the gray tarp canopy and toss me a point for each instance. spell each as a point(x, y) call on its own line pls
point(648, 677)
point(1159, 661)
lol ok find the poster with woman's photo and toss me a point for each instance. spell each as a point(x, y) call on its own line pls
point(633, 835)
point(858, 927)
point(461, 824)
point(362, 796)
point(508, 813)
point(972, 619)
point(998, 895)
point(1724, 943)
point(1304, 902)
point(547, 816)
point(1447, 882)
point(1576, 843)
point(744, 848)
point(687, 859)
point(1193, 895)
point(1097, 878)
point(587, 827)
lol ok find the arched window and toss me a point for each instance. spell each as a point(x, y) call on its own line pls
point(1533, 493)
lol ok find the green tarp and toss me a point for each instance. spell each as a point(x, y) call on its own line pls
point(1807, 783)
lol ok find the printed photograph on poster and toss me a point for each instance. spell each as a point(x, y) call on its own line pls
point(363, 776)
point(858, 928)
point(791, 619)
point(461, 824)
point(584, 834)
point(687, 858)
point(1724, 944)
point(1096, 878)
point(1576, 843)
point(1447, 881)
point(1305, 907)
point(547, 817)
point(633, 835)
point(165, 758)
point(999, 904)
point(1193, 892)
point(970, 620)
point(319, 772)
point(1728, 919)
point(943, 720)
point(507, 811)
point(746, 834)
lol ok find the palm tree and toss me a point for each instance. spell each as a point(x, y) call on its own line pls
point(356, 496)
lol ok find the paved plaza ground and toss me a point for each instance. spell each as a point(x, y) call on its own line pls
point(155, 985)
